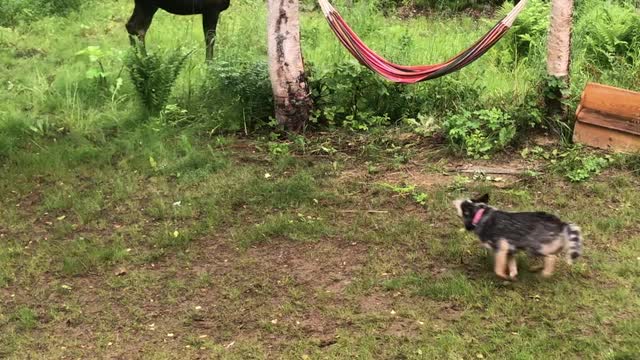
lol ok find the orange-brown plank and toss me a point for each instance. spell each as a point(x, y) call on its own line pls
point(596, 136)
point(608, 121)
point(607, 99)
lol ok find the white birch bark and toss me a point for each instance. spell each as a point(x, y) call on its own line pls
point(286, 66)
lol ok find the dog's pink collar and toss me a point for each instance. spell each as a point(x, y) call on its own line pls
point(477, 216)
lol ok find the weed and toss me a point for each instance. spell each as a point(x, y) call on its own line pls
point(460, 183)
point(97, 72)
point(25, 318)
point(579, 168)
point(630, 162)
point(282, 193)
point(452, 287)
point(573, 163)
point(409, 190)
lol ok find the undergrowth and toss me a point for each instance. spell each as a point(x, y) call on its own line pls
point(484, 108)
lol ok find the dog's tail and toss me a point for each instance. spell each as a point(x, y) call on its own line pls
point(573, 242)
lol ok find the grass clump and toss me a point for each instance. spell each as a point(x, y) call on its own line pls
point(82, 256)
point(283, 227)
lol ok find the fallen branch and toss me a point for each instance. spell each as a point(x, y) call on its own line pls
point(367, 211)
point(490, 170)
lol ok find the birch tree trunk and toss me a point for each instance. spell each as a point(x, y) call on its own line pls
point(559, 51)
point(286, 66)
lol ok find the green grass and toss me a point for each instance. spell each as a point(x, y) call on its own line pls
point(291, 264)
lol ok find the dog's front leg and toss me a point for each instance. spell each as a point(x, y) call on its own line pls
point(500, 263)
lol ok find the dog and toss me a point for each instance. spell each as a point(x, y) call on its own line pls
point(505, 233)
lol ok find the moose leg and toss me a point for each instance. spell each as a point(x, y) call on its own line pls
point(140, 21)
point(209, 24)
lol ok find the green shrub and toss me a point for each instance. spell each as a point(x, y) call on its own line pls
point(348, 94)
point(480, 133)
point(241, 91)
point(154, 74)
point(609, 35)
point(528, 33)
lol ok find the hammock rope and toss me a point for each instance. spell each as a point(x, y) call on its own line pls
point(413, 74)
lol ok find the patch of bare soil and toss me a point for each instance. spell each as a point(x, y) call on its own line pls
point(416, 177)
point(402, 327)
point(324, 266)
point(376, 302)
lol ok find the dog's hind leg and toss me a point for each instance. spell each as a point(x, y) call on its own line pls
point(500, 265)
point(513, 266)
point(549, 264)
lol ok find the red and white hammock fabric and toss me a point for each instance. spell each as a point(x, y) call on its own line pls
point(413, 74)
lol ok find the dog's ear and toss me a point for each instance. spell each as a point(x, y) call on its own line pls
point(482, 199)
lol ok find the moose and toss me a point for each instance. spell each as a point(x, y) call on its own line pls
point(210, 10)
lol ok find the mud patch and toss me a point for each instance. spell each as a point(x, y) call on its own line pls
point(376, 302)
point(402, 327)
point(324, 266)
point(416, 177)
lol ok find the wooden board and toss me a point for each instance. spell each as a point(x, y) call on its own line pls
point(608, 118)
point(604, 138)
point(610, 100)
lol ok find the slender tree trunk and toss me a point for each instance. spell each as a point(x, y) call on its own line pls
point(286, 66)
point(559, 53)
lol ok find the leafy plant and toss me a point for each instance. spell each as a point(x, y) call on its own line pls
point(454, 5)
point(278, 149)
point(42, 127)
point(154, 74)
point(422, 125)
point(421, 198)
point(481, 132)
point(242, 90)
point(527, 34)
point(572, 163)
point(175, 114)
point(459, 183)
point(350, 95)
point(401, 190)
point(408, 190)
point(579, 169)
point(104, 79)
point(609, 33)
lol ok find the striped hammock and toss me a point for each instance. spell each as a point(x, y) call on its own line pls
point(413, 74)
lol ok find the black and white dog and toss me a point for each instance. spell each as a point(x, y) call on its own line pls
point(538, 233)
